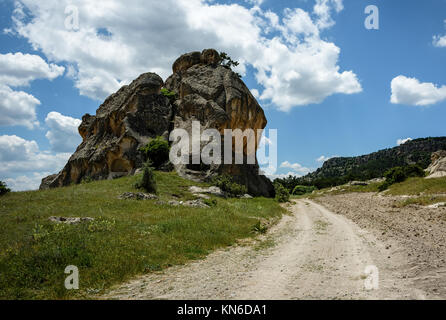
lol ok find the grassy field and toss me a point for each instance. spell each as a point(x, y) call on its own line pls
point(419, 186)
point(422, 191)
point(127, 237)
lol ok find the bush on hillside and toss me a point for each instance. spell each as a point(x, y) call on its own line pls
point(147, 182)
point(226, 183)
point(400, 174)
point(3, 188)
point(157, 151)
point(301, 190)
point(282, 194)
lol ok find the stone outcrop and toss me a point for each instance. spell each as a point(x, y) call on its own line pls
point(216, 97)
point(437, 169)
point(206, 91)
point(126, 121)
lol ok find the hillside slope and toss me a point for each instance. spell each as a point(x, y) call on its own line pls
point(126, 238)
point(340, 170)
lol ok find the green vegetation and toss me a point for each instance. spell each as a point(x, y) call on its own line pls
point(169, 94)
point(3, 188)
point(400, 174)
point(339, 171)
point(226, 183)
point(301, 190)
point(282, 194)
point(227, 62)
point(157, 151)
point(127, 237)
point(419, 186)
point(147, 181)
point(421, 201)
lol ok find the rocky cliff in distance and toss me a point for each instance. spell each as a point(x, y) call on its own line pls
point(206, 92)
point(344, 169)
point(437, 168)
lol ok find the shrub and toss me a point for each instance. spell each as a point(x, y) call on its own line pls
point(301, 190)
point(400, 174)
point(282, 194)
point(147, 181)
point(3, 188)
point(169, 94)
point(226, 183)
point(157, 151)
point(227, 62)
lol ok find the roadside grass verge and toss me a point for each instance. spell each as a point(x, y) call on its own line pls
point(421, 201)
point(127, 237)
point(373, 187)
point(419, 186)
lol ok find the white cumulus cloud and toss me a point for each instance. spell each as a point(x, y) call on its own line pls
point(403, 141)
point(411, 91)
point(297, 168)
point(63, 134)
point(17, 108)
point(293, 64)
point(439, 40)
point(18, 69)
point(21, 160)
point(324, 158)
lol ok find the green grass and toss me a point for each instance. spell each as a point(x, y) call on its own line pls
point(127, 238)
point(421, 201)
point(418, 186)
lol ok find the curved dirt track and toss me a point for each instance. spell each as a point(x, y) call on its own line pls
point(310, 254)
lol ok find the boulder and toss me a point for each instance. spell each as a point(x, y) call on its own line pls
point(206, 91)
point(70, 220)
point(126, 121)
point(437, 169)
point(215, 96)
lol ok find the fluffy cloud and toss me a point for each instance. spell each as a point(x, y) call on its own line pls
point(411, 91)
point(439, 40)
point(297, 168)
point(25, 183)
point(63, 134)
point(17, 108)
point(323, 158)
point(291, 61)
point(403, 141)
point(20, 69)
point(22, 160)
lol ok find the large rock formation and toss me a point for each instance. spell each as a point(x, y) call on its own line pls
point(437, 169)
point(206, 92)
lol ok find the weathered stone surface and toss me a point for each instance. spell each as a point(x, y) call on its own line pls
point(216, 97)
point(191, 203)
point(216, 191)
point(437, 169)
point(126, 121)
point(137, 196)
point(70, 220)
point(206, 91)
point(46, 182)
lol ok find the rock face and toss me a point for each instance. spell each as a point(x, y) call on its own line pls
point(123, 123)
point(216, 97)
point(205, 91)
point(437, 169)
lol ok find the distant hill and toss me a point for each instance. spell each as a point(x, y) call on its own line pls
point(338, 171)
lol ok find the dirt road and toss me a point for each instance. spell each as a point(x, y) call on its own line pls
point(310, 254)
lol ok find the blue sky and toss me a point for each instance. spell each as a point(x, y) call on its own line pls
point(325, 81)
